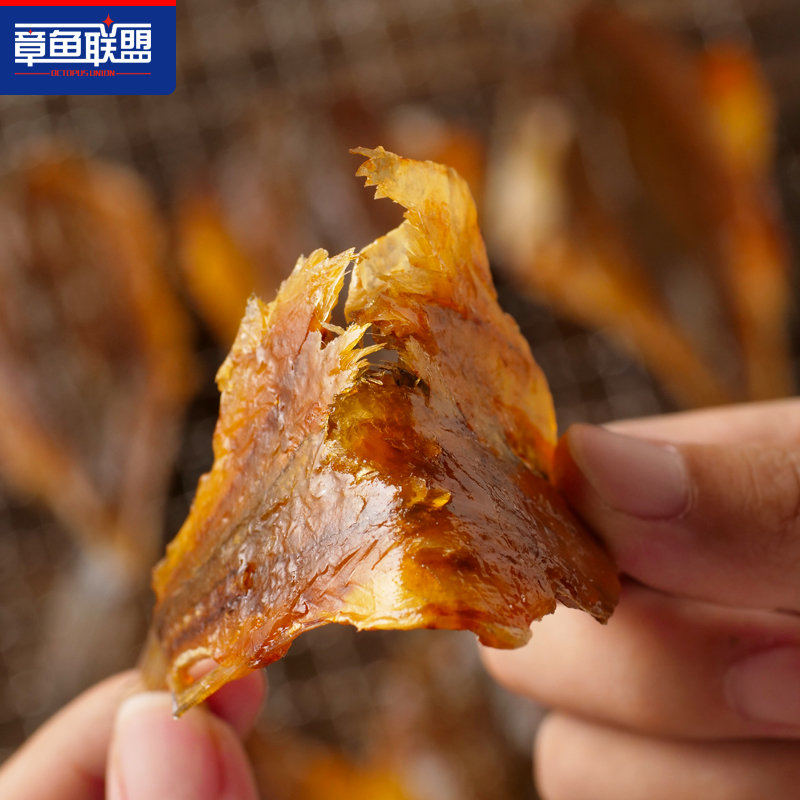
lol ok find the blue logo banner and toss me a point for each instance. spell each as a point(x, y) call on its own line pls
point(57, 47)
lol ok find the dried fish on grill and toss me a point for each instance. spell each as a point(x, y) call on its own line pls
point(698, 129)
point(562, 246)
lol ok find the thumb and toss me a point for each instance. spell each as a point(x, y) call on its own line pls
point(716, 522)
point(153, 756)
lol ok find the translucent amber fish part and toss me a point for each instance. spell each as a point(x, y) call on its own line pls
point(406, 494)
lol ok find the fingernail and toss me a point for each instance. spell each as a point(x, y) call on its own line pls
point(155, 755)
point(634, 476)
point(766, 686)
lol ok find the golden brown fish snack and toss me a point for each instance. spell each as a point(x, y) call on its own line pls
point(404, 494)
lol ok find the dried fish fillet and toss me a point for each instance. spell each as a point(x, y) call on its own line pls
point(565, 249)
point(407, 494)
point(699, 132)
point(95, 363)
point(755, 251)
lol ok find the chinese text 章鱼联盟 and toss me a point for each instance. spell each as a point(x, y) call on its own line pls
point(83, 44)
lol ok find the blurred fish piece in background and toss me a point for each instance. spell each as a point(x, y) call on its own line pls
point(564, 247)
point(296, 768)
point(635, 196)
point(698, 128)
point(95, 368)
point(241, 223)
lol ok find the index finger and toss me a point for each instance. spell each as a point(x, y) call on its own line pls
point(714, 522)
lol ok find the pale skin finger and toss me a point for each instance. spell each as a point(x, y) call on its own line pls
point(714, 518)
point(664, 666)
point(67, 758)
point(237, 702)
point(580, 760)
point(719, 523)
point(197, 757)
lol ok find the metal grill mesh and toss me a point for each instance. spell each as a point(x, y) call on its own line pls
point(237, 55)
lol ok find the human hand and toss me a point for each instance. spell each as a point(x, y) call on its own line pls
point(111, 743)
point(693, 688)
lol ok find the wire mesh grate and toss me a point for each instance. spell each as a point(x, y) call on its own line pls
point(234, 59)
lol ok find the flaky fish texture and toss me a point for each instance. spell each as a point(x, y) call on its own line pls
point(411, 493)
